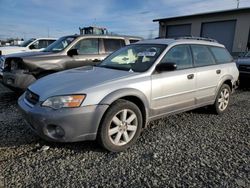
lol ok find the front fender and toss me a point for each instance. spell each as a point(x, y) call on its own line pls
point(43, 66)
point(126, 92)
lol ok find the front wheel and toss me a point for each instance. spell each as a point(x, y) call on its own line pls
point(222, 100)
point(121, 126)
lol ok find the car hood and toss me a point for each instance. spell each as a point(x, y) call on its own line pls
point(12, 49)
point(76, 81)
point(245, 61)
point(28, 54)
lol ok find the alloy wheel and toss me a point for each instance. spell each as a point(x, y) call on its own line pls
point(223, 100)
point(123, 127)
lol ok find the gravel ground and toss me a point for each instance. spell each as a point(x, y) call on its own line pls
point(192, 149)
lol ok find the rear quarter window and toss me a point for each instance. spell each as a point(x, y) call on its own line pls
point(133, 41)
point(221, 55)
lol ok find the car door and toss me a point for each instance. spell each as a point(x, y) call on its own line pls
point(174, 90)
point(208, 74)
point(88, 53)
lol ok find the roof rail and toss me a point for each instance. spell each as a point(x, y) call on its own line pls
point(197, 38)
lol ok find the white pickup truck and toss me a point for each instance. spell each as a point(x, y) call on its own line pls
point(30, 45)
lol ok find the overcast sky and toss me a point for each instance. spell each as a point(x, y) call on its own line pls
point(40, 18)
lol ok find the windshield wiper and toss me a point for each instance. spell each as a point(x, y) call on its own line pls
point(112, 67)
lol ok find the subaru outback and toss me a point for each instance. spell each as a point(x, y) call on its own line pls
point(113, 101)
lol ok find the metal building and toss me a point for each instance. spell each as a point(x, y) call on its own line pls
point(229, 27)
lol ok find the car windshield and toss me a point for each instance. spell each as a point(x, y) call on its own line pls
point(60, 44)
point(27, 42)
point(136, 58)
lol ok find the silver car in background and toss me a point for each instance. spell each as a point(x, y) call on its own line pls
point(113, 101)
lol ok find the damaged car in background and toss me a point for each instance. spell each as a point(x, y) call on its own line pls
point(243, 64)
point(20, 70)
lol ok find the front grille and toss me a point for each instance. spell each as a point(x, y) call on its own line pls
point(245, 68)
point(31, 97)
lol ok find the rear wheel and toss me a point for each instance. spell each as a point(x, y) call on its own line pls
point(121, 126)
point(222, 100)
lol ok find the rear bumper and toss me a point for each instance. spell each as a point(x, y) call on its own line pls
point(17, 80)
point(77, 124)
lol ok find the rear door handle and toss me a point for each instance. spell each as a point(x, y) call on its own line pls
point(190, 76)
point(218, 71)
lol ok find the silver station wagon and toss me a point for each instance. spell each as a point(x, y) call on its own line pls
point(114, 100)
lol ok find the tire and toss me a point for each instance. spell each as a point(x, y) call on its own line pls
point(222, 100)
point(120, 126)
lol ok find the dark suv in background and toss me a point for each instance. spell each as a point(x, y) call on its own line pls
point(20, 70)
point(243, 64)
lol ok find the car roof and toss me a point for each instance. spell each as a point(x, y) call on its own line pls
point(45, 38)
point(170, 41)
point(105, 36)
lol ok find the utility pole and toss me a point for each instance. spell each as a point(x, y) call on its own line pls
point(238, 3)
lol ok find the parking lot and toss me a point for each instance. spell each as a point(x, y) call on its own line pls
point(192, 149)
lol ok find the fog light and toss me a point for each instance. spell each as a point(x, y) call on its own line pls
point(59, 131)
point(55, 131)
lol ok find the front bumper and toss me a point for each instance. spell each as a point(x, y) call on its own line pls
point(18, 79)
point(78, 124)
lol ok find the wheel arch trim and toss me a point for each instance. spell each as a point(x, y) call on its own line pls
point(127, 92)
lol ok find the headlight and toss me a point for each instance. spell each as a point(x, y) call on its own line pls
point(13, 65)
point(70, 101)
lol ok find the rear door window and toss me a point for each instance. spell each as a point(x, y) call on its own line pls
point(111, 45)
point(202, 56)
point(50, 42)
point(221, 55)
point(42, 44)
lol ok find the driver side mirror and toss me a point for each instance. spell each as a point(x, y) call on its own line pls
point(72, 52)
point(32, 47)
point(168, 66)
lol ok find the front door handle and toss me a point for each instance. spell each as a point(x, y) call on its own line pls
point(190, 76)
point(218, 71)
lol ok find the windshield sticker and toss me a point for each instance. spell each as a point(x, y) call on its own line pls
point(149, 54)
